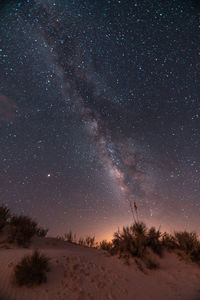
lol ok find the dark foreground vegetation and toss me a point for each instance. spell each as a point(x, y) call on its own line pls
point(70, 237)
point(138, 241)
point(135, 241)
point(32, 269)
point(20, 229)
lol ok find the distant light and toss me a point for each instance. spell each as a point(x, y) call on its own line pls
point(49, 175)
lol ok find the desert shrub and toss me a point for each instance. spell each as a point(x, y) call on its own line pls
point(107, 246)
point(41, 232)
point(168, 241)
point(60, 237)
point(140, 239)
point(153, 240)
point(195, 254)
point(32, 269)
point(89, 241)
point(22, 229)
point(70, 237)
point(123, 240)
point(187, 241)
point(4, 216)
point(139, 229)
point(81, 241)
point(131, 239)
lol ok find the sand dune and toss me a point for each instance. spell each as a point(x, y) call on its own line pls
point(78, 272)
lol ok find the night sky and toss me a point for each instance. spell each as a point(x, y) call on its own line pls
point(99, 106)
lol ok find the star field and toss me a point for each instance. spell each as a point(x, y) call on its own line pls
point(99, 106)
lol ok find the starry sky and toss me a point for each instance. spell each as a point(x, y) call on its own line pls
point(99, 107)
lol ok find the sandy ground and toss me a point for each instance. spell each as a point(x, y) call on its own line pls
point(82, 273)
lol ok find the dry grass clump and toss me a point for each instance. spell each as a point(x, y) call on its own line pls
point(107, 246)
point(189, 243)
point(154, 240)
point(130, 240)
point(89, 241)
point(168, 241)
point(136, 239)
point(4, 216)
point(195, 254)
point(70, 237)
point(32, 269)
point(41, 232)
point(22, 229)
point(186, 241)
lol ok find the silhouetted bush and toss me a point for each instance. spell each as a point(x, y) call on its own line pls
point(4, 216)
point(70, 237)
point(186, 241)
point(60, 238)
point(136, 239)
point(22, 229)
point(131, 239)
point(189, 243)
point(104, 245)
point(153, 240)
point(41, 232)
point(32, 270)
point(81, 241)
point(195, 254)
point(139, 229)
point(168, 241)
point(89, 241)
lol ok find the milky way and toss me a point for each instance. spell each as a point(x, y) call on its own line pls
point(99, 107)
